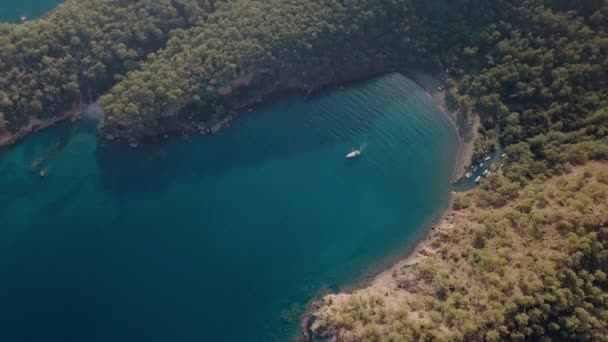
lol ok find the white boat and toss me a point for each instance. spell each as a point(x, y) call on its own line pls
point(488, 158)
point(468, 175)
point(478, 179)
point(353, 154)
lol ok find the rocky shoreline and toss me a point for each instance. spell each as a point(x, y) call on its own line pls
point(92, 110)
point(411, 257)
point(286, 82)
point(135, 133)
point(35, 125)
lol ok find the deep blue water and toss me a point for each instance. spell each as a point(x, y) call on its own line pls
point(12, 10)
point(218, 238)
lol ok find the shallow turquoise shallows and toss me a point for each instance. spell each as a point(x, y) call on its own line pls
point(13, 10)
point(218, 238)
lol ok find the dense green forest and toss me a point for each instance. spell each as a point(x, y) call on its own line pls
point(536, 69)
point(523, 257)
point(76, 53)
point(163, 66)
point(250, 49)
point(173, 65)
point(532, 268)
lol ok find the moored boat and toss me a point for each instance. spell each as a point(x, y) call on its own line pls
point(353, 154)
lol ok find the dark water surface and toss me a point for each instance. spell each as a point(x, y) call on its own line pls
point(12, 10)
point(222, 238)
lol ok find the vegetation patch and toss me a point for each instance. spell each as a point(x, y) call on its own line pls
point(532, 268)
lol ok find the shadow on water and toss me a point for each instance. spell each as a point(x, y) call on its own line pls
point(316, 124)
point(56, 206)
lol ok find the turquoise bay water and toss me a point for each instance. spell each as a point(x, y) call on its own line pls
point(12, 10)
point(222, 238)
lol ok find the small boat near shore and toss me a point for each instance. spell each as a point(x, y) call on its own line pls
point(354, 154)
point(44, 172)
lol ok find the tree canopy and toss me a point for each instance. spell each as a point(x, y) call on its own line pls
point(536, 69)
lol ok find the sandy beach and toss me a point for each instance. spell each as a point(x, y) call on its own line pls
point(466, 133)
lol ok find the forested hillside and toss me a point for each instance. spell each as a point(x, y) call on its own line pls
point(174, 65)
point(71, 56)
point(532, 269)
point(528, 257)
point(524, 256)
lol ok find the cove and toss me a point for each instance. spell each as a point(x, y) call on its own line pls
point(13, 10)
point(217, 238)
